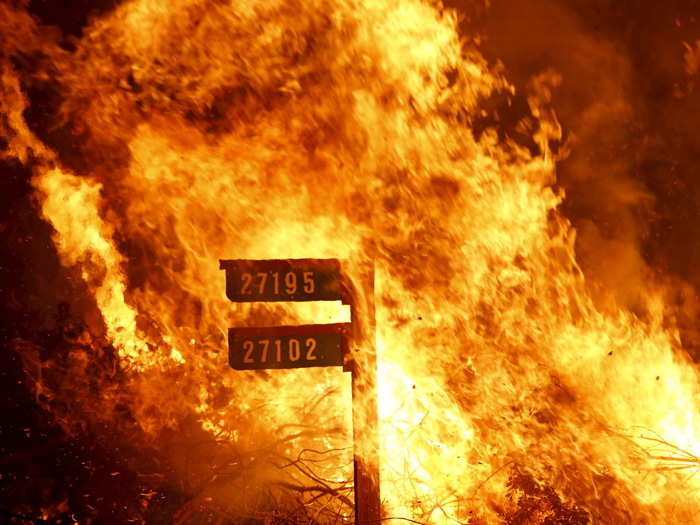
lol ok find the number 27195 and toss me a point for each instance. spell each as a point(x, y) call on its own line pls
point(277, 283)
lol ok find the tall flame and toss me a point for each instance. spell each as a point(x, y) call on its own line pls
point(339, 128)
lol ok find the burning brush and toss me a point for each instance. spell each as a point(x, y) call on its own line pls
point(163, 137)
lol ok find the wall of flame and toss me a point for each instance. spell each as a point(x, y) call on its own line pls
point(339, 128)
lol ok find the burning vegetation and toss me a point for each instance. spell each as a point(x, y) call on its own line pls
point(533, 367)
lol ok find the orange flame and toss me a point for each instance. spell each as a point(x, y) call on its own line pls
point(342, 129)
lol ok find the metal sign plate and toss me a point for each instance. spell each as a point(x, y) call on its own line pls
point(287, 346)
point(250, 280)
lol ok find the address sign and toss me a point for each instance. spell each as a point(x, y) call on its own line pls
point(269, 280)
point(286, 346)
point(255, 348)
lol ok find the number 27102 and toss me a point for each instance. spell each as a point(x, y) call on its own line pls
point(279, 350)
point(277, 283)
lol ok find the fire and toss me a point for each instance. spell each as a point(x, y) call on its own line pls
point(338, 129)
point(69, 201)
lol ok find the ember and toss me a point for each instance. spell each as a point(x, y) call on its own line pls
point(528, 209)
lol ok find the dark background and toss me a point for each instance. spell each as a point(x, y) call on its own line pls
point(630, 112)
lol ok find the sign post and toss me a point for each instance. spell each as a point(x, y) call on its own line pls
point(363, 366)
point(351, 345)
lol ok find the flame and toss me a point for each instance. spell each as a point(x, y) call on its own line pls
point(69, 201)
point(341, 129)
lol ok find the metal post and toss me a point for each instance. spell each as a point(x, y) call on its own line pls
point(360, 358)
point(364, 402)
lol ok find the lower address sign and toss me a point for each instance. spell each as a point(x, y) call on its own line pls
point(287, 346)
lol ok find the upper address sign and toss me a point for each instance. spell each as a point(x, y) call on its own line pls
point(265, 280)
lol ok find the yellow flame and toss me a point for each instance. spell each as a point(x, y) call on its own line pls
point(332, 129)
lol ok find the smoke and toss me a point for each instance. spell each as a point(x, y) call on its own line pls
point(627, 105)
